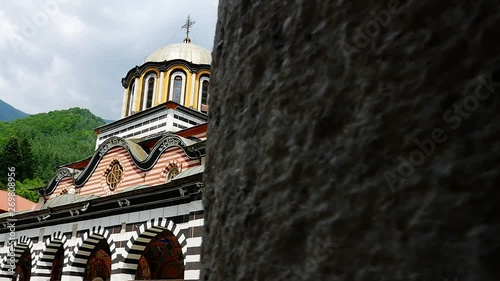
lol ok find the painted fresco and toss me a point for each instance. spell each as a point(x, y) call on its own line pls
point(99, 263)
point(162, 259)
point(23, 268)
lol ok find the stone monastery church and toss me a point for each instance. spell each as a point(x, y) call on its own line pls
point(132, 210)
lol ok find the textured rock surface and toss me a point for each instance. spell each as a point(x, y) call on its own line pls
point(304, 178)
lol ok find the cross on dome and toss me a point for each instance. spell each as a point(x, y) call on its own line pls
point(187, 26)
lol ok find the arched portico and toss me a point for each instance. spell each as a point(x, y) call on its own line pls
point(51, 261)
point(21, 264)
point(162, 236)
point(91, 253)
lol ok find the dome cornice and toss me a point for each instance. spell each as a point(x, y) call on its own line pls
point(138, 71)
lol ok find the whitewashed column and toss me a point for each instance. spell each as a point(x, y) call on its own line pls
point(135, 95)
point(145, 96)
point(160, 91)
point(193, 78)
point(125, 104)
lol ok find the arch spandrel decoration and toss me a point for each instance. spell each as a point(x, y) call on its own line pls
point(166, 142)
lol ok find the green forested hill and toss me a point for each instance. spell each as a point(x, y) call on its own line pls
point(38, 144)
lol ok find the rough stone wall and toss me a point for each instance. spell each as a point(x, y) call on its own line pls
point(354, 140)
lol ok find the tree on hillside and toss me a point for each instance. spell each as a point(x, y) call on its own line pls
point(27, 164)
point(17, 154)
point(27, 188)
point(10, 157)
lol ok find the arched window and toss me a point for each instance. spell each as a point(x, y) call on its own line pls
point(203, 94)
point(149, 99)
point(148, 91)
point(131, 94)
point(177, 87)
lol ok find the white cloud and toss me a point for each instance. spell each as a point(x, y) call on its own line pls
point(4, 84)
point(70, 27)
point(8, 30)
point(54, 86)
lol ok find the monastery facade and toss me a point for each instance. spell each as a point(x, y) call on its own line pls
point(133, 210)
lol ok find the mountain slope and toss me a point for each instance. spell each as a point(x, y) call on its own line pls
point(56, 138)
point(8, 112)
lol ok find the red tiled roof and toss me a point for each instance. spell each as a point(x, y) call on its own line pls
point(22, 204)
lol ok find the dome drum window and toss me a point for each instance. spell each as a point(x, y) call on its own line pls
point(130, 101)
point(204, 94)
point(177, 87)
point(149, 91)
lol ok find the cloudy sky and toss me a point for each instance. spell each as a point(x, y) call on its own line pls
point(58, 54)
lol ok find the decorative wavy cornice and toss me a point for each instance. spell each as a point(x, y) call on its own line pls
point(138, 71)
point(144, 162)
